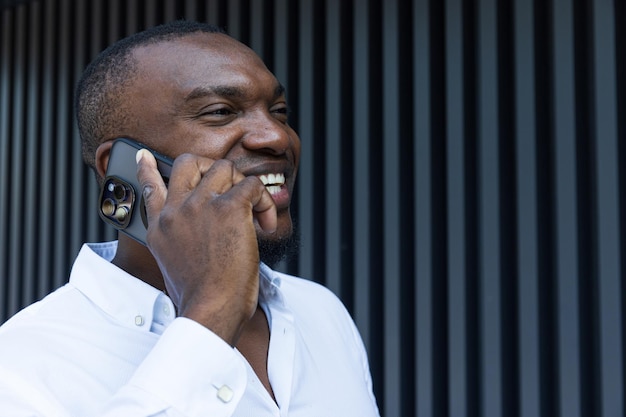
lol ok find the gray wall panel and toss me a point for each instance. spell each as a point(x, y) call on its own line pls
point(5, 80)
point(610, 293)
point(490, 258)
point(527, 223)
point(566, 213)
point(362, 170)
point(18, 154)
point(461, 185)
point(456, 208)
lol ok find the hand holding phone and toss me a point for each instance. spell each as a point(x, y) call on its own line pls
point(203, 236)
point(203, 230)
point(121, 201)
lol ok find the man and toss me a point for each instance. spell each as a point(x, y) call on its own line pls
point(193, 324)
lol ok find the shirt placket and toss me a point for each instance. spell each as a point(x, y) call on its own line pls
point(281, 356)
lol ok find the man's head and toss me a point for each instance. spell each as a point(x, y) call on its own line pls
point(189, 88)
point(98, 102)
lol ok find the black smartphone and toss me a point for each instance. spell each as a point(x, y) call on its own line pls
point(121, 201)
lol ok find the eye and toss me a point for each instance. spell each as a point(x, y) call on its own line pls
point(223, 111)
point(216, 114)
point(281, 112)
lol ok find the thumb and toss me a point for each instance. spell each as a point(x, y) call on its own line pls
point(153, 188)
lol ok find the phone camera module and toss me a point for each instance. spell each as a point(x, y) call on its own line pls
point(116, 202)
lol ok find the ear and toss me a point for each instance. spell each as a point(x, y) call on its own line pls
point(102, 157)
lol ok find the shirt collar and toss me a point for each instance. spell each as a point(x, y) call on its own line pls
point(120, 295)
point(133, 302)
point(269, 285)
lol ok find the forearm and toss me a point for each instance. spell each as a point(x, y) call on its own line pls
point(190, 371)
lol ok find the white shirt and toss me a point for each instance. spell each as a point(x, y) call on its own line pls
point(108, 344)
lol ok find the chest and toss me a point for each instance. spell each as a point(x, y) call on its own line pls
point(310, 372)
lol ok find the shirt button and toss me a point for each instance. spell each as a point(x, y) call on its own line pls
point(225, 393)
point(138, 320)
point(166, 310)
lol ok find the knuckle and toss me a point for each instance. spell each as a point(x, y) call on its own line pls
point(152, 194)
point(223, 164)
point(185, 158)
point(223, 205)
point(167, 218)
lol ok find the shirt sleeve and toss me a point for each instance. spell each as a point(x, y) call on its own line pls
point(190, 372)
point(367, 376)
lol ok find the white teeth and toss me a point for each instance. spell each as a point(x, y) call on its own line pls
point(273, 189)
point(273, 180)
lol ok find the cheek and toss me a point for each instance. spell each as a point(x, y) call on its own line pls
point(181, 140)
point(214, 143)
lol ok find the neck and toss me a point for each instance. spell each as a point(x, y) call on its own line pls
point(136, 259)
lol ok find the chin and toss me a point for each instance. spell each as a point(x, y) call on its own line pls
point(277, 247)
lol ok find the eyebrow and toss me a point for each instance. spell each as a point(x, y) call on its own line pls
point(226, 91)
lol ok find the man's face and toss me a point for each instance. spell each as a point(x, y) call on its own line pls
point(209, 95)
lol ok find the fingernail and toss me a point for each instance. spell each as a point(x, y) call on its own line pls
point(139, 155)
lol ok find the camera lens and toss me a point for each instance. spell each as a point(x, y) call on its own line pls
point(119, 191)
point(120, 214)
point(108, 207)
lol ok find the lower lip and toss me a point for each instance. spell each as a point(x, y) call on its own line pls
point(281, 198)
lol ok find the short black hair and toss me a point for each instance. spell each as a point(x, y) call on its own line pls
point(97, 100)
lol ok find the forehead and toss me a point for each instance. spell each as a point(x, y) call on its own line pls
point(200, 60)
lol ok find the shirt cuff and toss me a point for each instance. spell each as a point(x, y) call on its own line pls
point(193, 370)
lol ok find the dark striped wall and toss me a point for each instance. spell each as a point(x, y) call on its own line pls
point(461, 187)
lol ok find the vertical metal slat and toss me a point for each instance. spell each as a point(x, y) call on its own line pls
point(331, 165)
point(6, 17)
point(528, 300)
point(566, 212)
point(30, 186)
point(391, 171)
point(456, 209)
point(16, 136)
point(610, 291)
point(48, 140)
point(424, 395)
point(490, 302)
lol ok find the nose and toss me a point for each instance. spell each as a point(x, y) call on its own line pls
point(265, 133)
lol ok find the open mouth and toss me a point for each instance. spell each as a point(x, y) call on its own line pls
point(273, 182)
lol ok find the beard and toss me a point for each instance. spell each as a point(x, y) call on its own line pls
point(273, 251)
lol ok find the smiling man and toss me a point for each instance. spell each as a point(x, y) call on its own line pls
point(196, 323)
